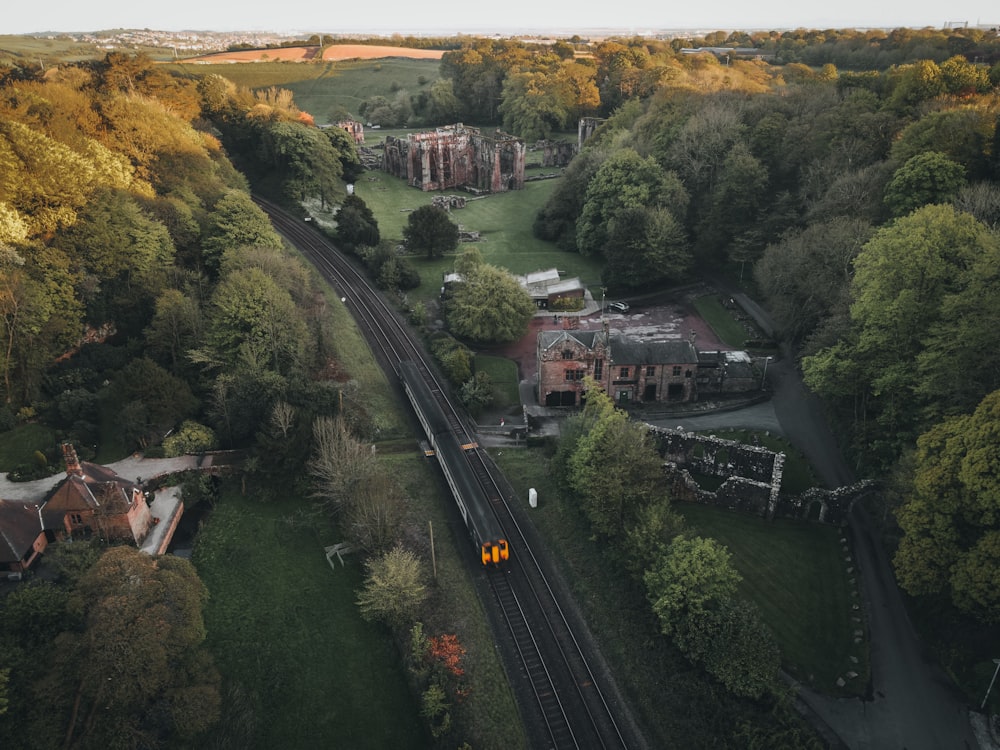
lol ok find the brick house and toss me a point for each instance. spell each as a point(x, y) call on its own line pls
point(628, 370)
point(95, 500)
point(22, 538)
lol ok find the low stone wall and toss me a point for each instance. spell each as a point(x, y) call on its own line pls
point(753, 479)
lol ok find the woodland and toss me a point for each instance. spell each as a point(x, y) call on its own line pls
point(851, 183)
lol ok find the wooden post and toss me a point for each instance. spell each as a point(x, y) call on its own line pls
point(430, 525)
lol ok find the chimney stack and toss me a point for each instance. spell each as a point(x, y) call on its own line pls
point(72, 462)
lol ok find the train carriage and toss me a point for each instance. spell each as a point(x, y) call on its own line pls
point(473, 503)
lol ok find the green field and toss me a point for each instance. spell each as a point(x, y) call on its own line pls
point(503, 374)
point(322, 86)
point(283, 626)
point(729, 330)
point(796, 574)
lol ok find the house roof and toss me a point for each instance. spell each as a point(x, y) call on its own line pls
point(586, 339)
point(94, 488)
point(547, 282)
point(631, 351)
point(19, 528)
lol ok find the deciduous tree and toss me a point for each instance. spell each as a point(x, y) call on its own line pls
point(490, 306)
point(394, 588)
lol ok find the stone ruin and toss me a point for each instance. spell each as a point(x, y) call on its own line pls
point(457, 157)
point(585, 128)
point(448, 202)
point(554, 153)
point(355, 129)
point(752, 479)
point(753, 473)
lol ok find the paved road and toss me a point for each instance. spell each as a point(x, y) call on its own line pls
point(912, 705)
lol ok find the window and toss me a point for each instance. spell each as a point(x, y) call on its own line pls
point(677, 371)
point(76, 519)
point(623, 372)
point(567, 354)
point(575, 374)
point(650, 371)
point(598, 368)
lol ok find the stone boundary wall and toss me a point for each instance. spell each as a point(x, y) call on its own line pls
point(753, 479)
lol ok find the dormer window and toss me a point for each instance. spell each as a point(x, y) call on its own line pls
point(567, 354)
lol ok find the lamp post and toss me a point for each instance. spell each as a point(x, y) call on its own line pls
point(986, 697)
point(763, 378)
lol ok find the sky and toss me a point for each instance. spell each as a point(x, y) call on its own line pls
point(411, 16)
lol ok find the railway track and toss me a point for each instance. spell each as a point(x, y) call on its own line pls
point(567, 707)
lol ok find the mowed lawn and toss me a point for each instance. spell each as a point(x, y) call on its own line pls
point(797, 575)
point(503, 222)
point(284, 628)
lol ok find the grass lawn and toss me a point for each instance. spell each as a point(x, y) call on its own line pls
point(797, 476)
point(503, 221)
point(726, 327)
point(503, 373)
point(284, 627)
point(796, 574)
point(18, 446)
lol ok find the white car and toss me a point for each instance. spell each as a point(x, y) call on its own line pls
point(621, 307)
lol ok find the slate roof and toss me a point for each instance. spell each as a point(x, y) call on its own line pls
point(19, 528)
point(586, 339)
point(631, 351)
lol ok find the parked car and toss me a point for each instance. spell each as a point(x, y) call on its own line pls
point(621, 307)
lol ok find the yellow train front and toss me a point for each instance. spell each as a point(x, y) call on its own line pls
point(494, 553)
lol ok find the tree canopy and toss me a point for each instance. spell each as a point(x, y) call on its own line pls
point(489, 305)
point(430, 231)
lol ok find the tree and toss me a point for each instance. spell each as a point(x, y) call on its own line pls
point(625, 181)
point(534, 104)
point(175, 328)
point(951, 531)
point(490, 306)
point(190, 437)
point(394, 588)
point(689, 580)
point(645, 246)
point(252, 318)
point(806, 275)
point(356, 225)
point(151, 400)
point(236, 222)
point(930, 177)
point(431, 232)
point(614, 469)
point(347, 151)
point(140, 663)
point(735, 646)
point(341, 463)
point(904, 276)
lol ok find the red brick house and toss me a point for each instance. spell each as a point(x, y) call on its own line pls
point(22, 538)
point(95, 500)
point(628, 370)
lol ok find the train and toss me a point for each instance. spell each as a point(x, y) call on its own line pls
point(473, 502)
